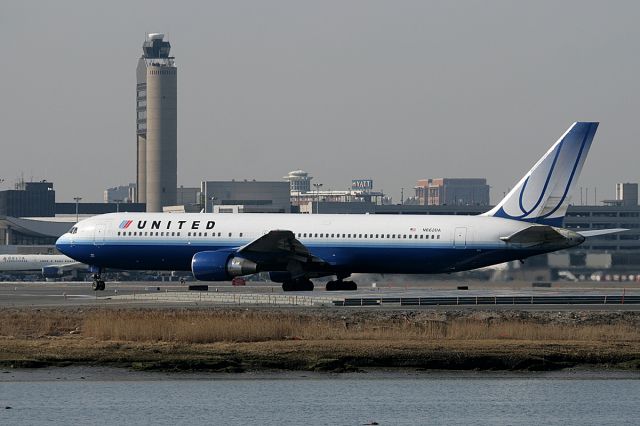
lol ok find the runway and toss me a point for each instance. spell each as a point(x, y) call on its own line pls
point(434, 295)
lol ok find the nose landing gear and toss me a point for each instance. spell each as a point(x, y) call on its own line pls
point(98, 283)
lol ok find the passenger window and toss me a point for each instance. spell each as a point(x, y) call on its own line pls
point(438, 236)
point(219, 234)
point(321, 235)
point(188, 234)
point(377, 236)
point(365, 235)
point(348, 235)
point(332, 235)
point(305, 235)
point(315, 235)
point(173, 234)
point(388, 236)
point(298, 235)
point(343, 235)
point(229, 234)
point(241, 234)
point(393, 236)
point(199, 234)
point(118, 233)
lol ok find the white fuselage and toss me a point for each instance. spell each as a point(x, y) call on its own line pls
point(349, 243)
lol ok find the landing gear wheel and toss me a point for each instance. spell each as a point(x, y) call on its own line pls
point(298, 285)
point(341, 285)
point(98, 283)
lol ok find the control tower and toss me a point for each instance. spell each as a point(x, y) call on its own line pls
point(156, 125)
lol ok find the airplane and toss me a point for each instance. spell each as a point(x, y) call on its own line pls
point(294, 248)
point(50, 265)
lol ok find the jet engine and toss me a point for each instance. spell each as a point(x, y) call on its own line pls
point(51, 272)
point(220, 265)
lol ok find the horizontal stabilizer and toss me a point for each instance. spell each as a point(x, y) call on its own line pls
point(596, 232)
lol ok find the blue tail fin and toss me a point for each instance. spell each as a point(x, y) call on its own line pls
point(542, 195)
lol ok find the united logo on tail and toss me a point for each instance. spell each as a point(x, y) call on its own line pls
point(543, 194)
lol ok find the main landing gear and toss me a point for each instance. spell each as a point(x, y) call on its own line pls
point(300, 284)
point(98, 283)
point(341, 285)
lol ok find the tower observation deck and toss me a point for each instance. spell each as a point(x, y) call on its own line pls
point(156, 124)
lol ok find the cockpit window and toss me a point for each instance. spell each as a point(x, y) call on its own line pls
point(73, 230)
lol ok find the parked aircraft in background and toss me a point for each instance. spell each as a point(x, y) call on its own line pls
point(50, 265)
point(294, 248)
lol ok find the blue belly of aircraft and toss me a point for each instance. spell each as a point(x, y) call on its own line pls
point(351, 258)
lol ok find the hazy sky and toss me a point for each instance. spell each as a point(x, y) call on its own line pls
point(392, 90)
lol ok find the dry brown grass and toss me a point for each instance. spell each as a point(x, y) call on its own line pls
point(254, 326)
point(33, 324)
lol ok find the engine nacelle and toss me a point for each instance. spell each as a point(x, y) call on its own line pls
point(220, 265)
point(51, 272)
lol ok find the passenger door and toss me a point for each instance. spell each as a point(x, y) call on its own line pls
point(460, 238)
point(98, 234)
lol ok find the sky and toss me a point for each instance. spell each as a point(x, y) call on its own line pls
point(391, 90)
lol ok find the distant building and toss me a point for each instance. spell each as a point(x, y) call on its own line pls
point(188, 196)
point(29, 199)
point(452, 191)
point(121, 194)
point(299, 181)
point(627, 194)
point(253, 196)
point(303, 196)
point(90, 209)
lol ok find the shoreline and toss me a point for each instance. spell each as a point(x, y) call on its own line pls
point(119, 374)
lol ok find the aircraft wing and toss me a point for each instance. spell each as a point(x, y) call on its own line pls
point(53, 270)
point(68, 266)
point(595, 232)
point(280, 244)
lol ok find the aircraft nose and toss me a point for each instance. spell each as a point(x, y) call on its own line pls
point(61, 242)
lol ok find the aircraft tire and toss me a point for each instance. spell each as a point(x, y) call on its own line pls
point(298, 285)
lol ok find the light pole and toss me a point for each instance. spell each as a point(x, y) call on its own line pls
point(117, 205)
point(77, 200)
point(317, 186)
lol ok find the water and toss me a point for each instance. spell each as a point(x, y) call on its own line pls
point(296, 399)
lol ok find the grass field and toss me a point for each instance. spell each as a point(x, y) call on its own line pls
point(306, 339)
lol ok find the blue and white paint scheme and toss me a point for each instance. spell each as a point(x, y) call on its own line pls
point(294, 248)
point(542, 195)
